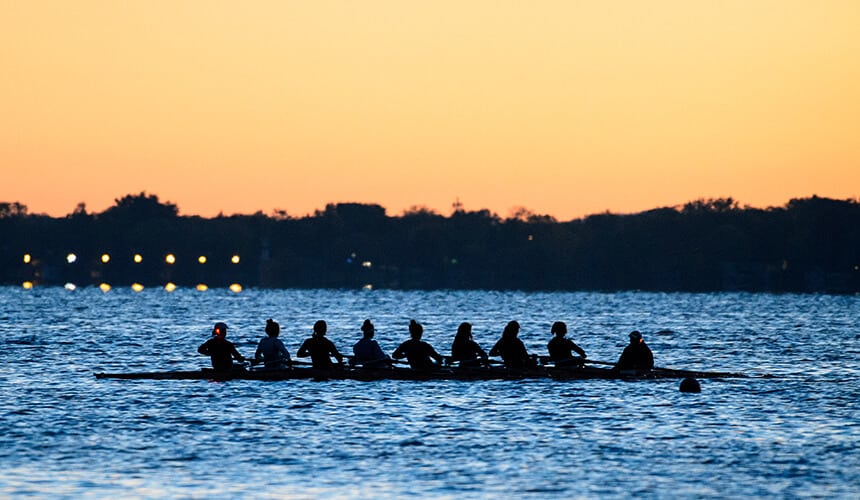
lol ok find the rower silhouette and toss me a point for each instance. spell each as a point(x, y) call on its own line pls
point(561, 348)
point(319, 348)
point(271, 350)
point(512, 350)
point(221, 351)
point(465, 350)
point(636, 356)
point(367, 351)
point(419, 354)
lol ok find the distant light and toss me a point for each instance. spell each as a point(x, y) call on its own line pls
point(104, 287)
point(170, 287)
point(138, 258)
point(531, 237)
point(235, 259)
point(201, 259)
point(70, 286)
point(27, 258)
point(202, 287)
point(367, 287)
point(857, 268)
point(137, 287)
point(235, 288)
point(71, 258)
point(170, 258)
point(454, 261)
point(27, 285)
point(367, 264)
point(105, 258)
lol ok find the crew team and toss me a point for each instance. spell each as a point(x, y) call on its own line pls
point(420, 355)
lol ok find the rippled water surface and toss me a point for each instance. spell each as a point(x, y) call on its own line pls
point(66, 434)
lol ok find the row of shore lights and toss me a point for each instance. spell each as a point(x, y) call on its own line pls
point(137, 287)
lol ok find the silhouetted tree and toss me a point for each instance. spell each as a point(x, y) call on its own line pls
point(810, 244)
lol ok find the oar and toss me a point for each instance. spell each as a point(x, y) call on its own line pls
point(290, 362)
point(470, 363)
point(692, 373)
point(596, 362)
point(572, 360)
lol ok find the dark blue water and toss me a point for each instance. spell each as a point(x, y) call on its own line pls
point(66, 434)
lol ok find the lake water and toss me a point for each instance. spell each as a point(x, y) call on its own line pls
point(66, 434)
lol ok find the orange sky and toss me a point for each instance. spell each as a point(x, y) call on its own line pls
point(564, 107)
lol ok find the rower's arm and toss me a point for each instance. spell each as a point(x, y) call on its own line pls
point(435, 355)
point(496, 350)
point(284, 352)
point(336, 354)
point(482, 353)
point(236, 355)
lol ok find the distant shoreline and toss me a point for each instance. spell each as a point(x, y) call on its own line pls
point(808, 245)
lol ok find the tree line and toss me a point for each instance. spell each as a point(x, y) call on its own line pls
point(807, 245)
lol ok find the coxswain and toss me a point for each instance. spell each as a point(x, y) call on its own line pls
point(271, 351)
point(319, 348)
point(421, 355)
point(366, 352)
point(512, 350)
point(465, 350)
point(636, 356)
point(221, 351)
point(561, 348)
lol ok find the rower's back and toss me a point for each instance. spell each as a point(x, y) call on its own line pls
point(319, 348)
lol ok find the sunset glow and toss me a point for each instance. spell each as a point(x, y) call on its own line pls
point(565, 108)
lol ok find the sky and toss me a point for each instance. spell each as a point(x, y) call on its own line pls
point(566, 108)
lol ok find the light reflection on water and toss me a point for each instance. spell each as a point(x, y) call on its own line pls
point(67, 434)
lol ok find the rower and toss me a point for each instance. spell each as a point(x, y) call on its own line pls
point(271, 350)
point(419, 354)
point(636, 356)
point(319, 348)
point(561, 348)
point(512, 350)
point(221, 351)
point(465, 350)
point(367, 351)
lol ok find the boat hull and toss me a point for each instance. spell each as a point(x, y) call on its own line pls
point(465, 374)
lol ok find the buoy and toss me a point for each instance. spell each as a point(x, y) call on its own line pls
point(690, 385)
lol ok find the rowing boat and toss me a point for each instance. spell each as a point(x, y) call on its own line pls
point(442, 373)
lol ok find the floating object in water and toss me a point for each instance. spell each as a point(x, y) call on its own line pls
point(690, 384)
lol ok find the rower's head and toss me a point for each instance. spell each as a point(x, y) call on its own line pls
point(464, 331)
point(320, 327)
point(219, 330)
point(368, 329)
point(273, 329)
point(559, 328)
point(511, 329)
point(635, 337)
point(415, 329)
